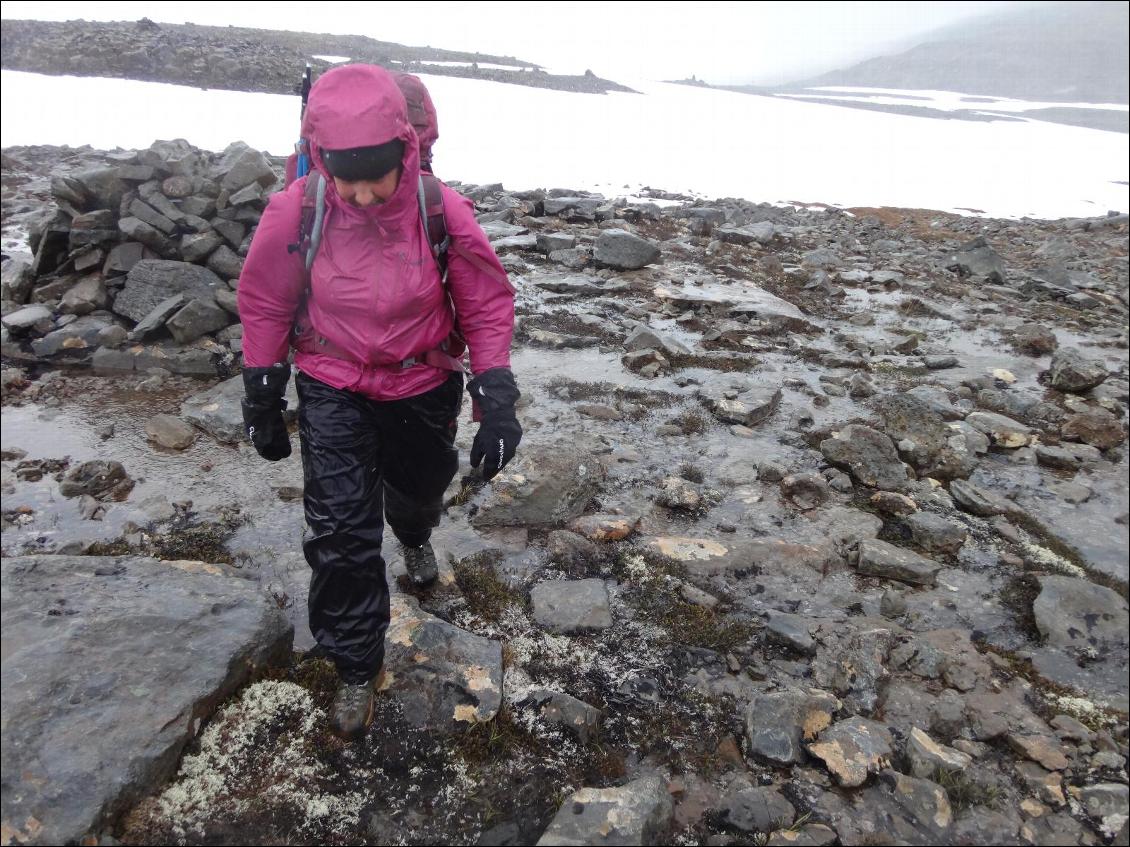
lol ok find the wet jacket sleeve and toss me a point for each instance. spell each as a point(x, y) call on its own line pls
point(480, 289)
point(272, 282)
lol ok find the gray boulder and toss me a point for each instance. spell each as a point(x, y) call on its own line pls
point(225, 263)
point(854, 749)
point(136, 229)
point(445, 678)
point(645, 338)
point(16, 281)
point(935, 534)
point(878, 558)
point(548, 242)
point(24, 319)
point(778, 723)
point(978, 261)
point(198, 317)
point(85, 296)
point(636, 813)
point(756, 809)
point(156, 318)
point(978, 501)
point(869, 456)
point(110, 666)
point(544, 488)
point(152, 281)
point(622, 250)
point(1075, 373)
point(749, 408)
point(169, 432)
point(249, 166)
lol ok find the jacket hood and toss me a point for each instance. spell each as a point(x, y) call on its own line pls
point(362, 106)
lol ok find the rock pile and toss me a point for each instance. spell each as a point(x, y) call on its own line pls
point(146, 250)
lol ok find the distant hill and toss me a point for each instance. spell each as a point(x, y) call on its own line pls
point(242, 59)
point(1067, 52)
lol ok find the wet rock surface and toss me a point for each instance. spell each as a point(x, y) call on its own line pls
point(110, 666)
point(803, 529)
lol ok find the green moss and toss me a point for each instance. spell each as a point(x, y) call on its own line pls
point(726, 364)
point(486, 595)
point(691, 422)
point(117, 547)
point(202, 543)
point(964, 792)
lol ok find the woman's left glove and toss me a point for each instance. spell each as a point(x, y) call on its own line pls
point(263, 408)
point(499, 434)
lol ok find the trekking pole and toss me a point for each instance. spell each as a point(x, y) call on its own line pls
point(301, 147)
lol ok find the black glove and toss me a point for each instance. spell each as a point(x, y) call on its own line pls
point(263, 410)
point(499, 434)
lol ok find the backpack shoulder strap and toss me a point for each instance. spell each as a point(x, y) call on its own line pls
point(310, 220)
point(431, 215)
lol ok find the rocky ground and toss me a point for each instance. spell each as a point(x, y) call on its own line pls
point(242, 59)
point(818, 533)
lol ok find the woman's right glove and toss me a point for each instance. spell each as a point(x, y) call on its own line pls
point(495, 393)
point(263, 408)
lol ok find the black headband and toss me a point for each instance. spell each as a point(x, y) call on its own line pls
point(364, 163)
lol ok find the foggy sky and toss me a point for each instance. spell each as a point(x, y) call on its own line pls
point(721, 43)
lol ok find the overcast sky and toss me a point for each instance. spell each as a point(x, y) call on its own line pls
point(721, 43)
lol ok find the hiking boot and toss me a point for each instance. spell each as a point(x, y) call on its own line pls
point(421, 564)
point(352, 710)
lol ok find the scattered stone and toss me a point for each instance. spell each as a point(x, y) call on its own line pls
point(217, 411)
point(1074, 373)
point(927, 756)
point(892, 604)
point(878, 558)
point(1043, 749)
point(542, 488)
point(578, 717)
point(978, 501)
point(636, 813)
point(853, 749)
point(793, 631)
point(1034, 340)
point(892, 503)
point(869, 456)
point(571, 606)
point(979, 261)
point(935, 534)
point(622, 250)
point(777, 724)
point(604, 528)
point(445, 678)
point(749, 408)
point(755, 809)
point(1005, 432)
point(100, 479)
point(806, 490)
point(172, 433)
point(1096, 427)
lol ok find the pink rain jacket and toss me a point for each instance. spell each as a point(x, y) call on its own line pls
point(375, 291)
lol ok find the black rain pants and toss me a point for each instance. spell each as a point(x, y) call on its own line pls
point(362, 459)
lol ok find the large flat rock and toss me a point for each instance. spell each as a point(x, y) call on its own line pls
point(110, 664)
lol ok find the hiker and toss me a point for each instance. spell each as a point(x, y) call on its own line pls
point(373, 324)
